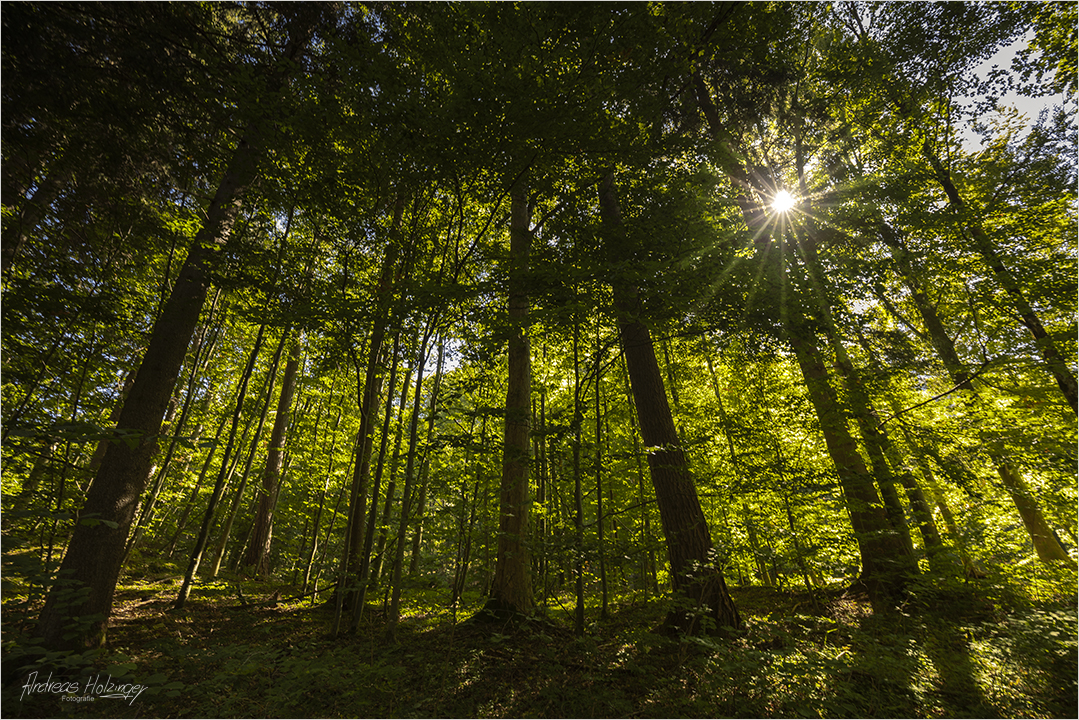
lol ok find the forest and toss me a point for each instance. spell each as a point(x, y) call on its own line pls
point(491, 359)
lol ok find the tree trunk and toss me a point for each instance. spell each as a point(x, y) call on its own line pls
point(406, 493)
point(91, 566)
point(648, 562)
point(148, 508)
point(267, 393)
point(876, 442)
point(1054, 361)
point(378, 562)
point(694, 576)
point(258, 549)
point(193, 497)
point(511, 591)
point(376, 487)
point(599, 487)
point(1045, 542)
point(30, 485)
point(885, 560)
point(317, 522)
point(763, 572)
point(945, 347)
point(222, 476)
point(425, 467)
point(369, 407)
point(578, 495)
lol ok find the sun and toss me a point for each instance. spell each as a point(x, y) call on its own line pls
point(783, 201)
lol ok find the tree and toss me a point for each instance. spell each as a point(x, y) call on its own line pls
point(257, 554)
point(694, 576)
point(92, 562)
point(511, 591)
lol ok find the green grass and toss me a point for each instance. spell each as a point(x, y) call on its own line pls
point(965, 650)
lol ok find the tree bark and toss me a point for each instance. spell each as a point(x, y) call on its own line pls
point(885, 561)
point(597, 369)
point(942, 342)
point(876, 442)
point(425, 466)
point(1045, 542)
point(377, 563)
point(511, 591)
point(148, 508)
point(258, 549)
point(234, 509)
point(369, 407)
point(407, 490)
point(317, 522)
point(578, 495)
point(222, 476)
point(181, 523)
point(376, 486)
point(694, 576)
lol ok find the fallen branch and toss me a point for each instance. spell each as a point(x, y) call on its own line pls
point(313, 592)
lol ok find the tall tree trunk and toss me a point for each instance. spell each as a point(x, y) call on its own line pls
point(464, 535)
point(317, 522)
point(876, 442)
point(923, 514)
point(222, 475)
point(758, 553)
point(539, 536)
point(694, 575)
point(91, 566)
point(181, 523)
point(369, 408)
point(648, 566)
point(1045, 542)
point(885, 560)
point(148, 509)
point(578, 494)
point(511, 591)
point(1025, 504)
point(267, 393)
point(378, 562)
point(258, 549)
point(406, 493)
point(30, 485)
point(425, 468)
point(1054, 361)
point(376, 486)
point(601, 550)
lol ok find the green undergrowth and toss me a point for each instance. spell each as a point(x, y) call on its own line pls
point(245, 648)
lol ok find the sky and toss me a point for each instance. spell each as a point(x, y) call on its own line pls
point(1028, 106)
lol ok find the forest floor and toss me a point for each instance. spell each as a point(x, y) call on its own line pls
point(976, 649)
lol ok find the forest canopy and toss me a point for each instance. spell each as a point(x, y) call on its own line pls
point(549, 310)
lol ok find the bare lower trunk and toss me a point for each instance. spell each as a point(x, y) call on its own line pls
point(511, 591)
point(886, 564)
point(96, 551)
point(1026, 505)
